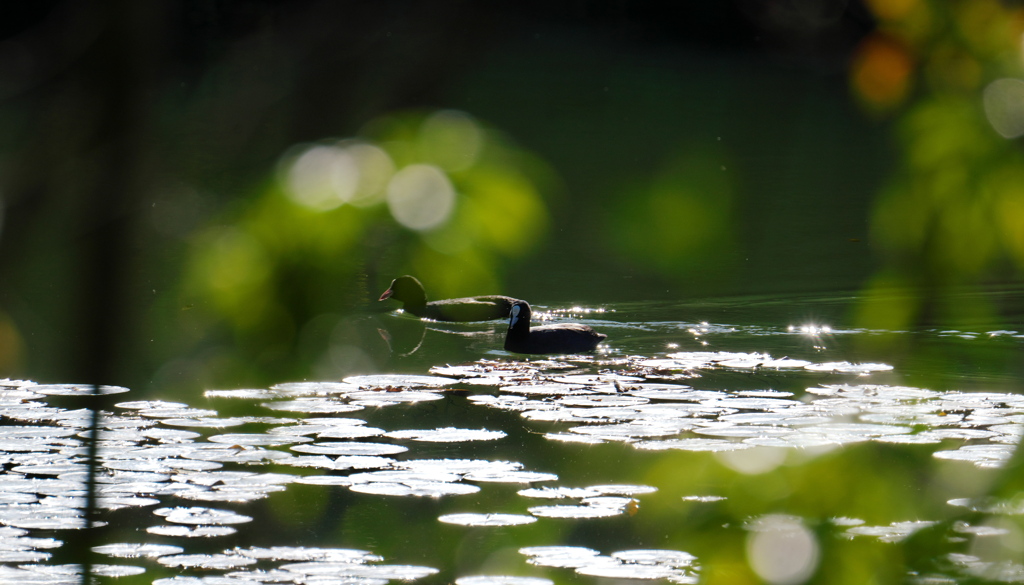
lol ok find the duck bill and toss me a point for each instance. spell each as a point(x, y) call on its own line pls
point(387, 294)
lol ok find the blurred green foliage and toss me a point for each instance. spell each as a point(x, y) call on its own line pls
point(952, 212)
point(680, 219)
point(434, 194)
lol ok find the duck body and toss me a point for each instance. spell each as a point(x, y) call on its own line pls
point(560, 338)
point(409, 291)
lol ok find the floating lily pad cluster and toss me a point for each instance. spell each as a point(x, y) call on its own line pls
point(281, 564)
point(1005, 571)
point(285, 564)
point(671, 565)
point(590, 502)
point(894, 532)
point(148, 457)
point(642, 402)
point(189, 465)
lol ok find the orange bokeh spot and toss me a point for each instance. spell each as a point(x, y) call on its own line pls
point(880, 73)
point(892, 9)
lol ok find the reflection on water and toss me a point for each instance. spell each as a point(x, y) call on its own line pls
point(776, 447)
point(781, 549)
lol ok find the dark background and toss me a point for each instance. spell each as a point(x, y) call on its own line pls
point(795, 128)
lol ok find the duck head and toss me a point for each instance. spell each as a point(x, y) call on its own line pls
point(407, 290)
point(519, 316)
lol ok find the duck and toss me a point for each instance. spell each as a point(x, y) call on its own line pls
point(560, 338)
point(410, 292)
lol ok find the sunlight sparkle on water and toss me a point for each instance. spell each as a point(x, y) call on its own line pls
point(810, 329)
point(574, 312)
point(571, 312)
point(701, 329)
point(585, 310)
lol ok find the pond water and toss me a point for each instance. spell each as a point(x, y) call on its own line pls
point(740, 440)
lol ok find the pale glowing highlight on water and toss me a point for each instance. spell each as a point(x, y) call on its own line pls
point(753, 461)
point(781, 550)
point(810, 329)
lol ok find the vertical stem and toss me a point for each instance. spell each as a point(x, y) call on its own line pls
point(119, 67)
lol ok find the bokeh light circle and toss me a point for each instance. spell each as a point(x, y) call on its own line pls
point(323, 177)
point(420, 197)
point(451, 139)
point(781, 550)
point(320, 177)
point(375, 169)
point(1004, 106)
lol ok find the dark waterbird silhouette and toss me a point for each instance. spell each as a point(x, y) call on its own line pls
point(410, 292)
point(560, 338)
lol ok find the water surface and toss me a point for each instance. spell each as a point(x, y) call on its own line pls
point(764, 437)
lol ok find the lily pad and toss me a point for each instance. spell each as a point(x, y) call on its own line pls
point(667, 558)
point(399, 380)
point(132, 550)
point(895, 532)
point(487, 519)
point(312, 405)
point(349, 432)
point(200, 561)
point(447, 435)
point(201, 516)
point(296, 389)
point(613, 570)
point(115, 571)
point(848, 368)
point(350, 448)
point(77, 389)
point(416, 488)
point(559, 492)
point(510, 476)
point(692, 445)
point(578, 512)
point(460, 466)
point(567, 557)
point(303, 553)
point(191, 531)
point(263, 439)
point(703, 499)
point(253, 394)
